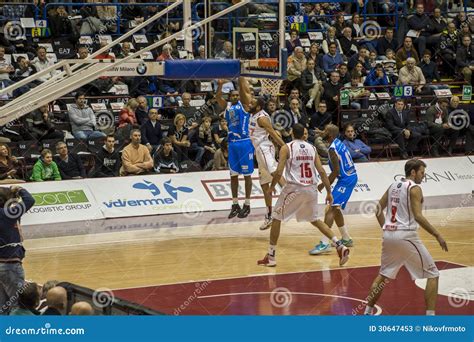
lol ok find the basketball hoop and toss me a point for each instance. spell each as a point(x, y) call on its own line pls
point(270, 86)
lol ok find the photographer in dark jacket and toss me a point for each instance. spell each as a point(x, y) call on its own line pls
point(14, 202)
point(108, 160)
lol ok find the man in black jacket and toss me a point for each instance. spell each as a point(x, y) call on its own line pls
point(12, 252)
point(151, 131)
point(387, 42)
point(331, 93)
point(421, 22)
point(397, 121)
point(311, 84)
point(39, 125)
point(465, 58)
point(166, 160)
point(429, 68)
point(108, 160)
point(69, 164)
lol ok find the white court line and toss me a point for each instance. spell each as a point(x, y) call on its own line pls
point(369, 238)
point(378, 312)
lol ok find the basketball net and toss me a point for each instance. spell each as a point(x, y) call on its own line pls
point(270, 86)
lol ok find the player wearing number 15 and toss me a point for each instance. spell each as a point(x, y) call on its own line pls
point(342, 168)
point(401, 244)
point(299, 197)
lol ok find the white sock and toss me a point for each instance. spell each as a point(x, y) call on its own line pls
point(325, 240)
point(247, 201)
point(430, 312)
point(344, 233)
point(369, 310)
point(235, 201)
point(334, 239)
point(271, 250)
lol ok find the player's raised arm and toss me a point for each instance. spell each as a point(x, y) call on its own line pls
point(267, 125)
point(416, 196)
point(245, 93)
point(324, 178)
point(219, 97)
point(380, 209)
point(281, 167)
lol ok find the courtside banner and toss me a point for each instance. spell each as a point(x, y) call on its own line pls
point(63, 201)
point(134, 69)
point(238, 329)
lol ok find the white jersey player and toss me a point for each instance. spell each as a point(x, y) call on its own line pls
point(401, 244)
point(299, 197)
point(260, 130)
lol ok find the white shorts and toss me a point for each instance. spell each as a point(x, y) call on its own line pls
point(297, 200)
point(266, 160)
point(404, 248)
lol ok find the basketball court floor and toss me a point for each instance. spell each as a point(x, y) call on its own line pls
point(205, 264)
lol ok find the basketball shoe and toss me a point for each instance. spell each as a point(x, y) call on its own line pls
point(321, 248)
point(343, 253)
point(267, 223)
point(268, 261)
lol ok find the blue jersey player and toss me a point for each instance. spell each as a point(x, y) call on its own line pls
point(342, 168)
point(241, 149)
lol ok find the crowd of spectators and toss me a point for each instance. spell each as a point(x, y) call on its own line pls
point(435, 46)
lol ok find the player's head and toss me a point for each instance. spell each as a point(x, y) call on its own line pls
point(257, 104)
point(234, 97)
point(299, 132)
point(415, 170)
point(331, 132)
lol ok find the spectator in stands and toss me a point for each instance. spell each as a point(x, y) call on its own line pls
point(221, 157)
point(311, 84)
point(59, 22)
point(344, 74)
point(203, 143)
point(339, 25)
point(5, 70)
point(331, 93)
point(331, 38)
point(188, 110)
point(420, 22)
point(437, 120)
point(361, 57)
point(83, 52)
point(133, 14)
point(83, 120)
point(166, 53)
point(332, 60)
point(136, 158)
point(45, 169)
point(359, 96)
point(320, 119)
point(141, 113)
point(465, 58)
point(166, 160)
point(376, 78)
point(348, 44)
point(126, 50)
point(437, 25)
point(293, 42)
point(220, 131)
point(108, 16)
point(10, 171)
point(315, 55)
point(48, 285)
point(178, 133)
point(410, 74)
point(387, 42)
point(359, 151)
point(69, 164)
point(28, 300)
point(91, 23)
point(56, 299)
point(127, 118)
point(405, 52)
point(40, 126)
point(24, 70)
point(42, 62)
point(151, 131)
point(429, 68)
point(448, 46)
point(397, 121)
point(107, 162)
point(296, 66)
point(81, 309)
point(226, 51)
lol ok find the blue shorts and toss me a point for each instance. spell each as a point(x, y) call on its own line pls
point(342, 191)
point(241, 157)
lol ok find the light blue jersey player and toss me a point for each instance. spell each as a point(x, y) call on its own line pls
point(342, 169)
point(241, 149)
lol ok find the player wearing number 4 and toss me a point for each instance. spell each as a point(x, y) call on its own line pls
point(342, 168)
point(299, 197)
point(401, 244)
point(241, 150)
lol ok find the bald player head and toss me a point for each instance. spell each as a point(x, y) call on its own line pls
point(331, 132)
point(57, 298)
point(81, 309)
